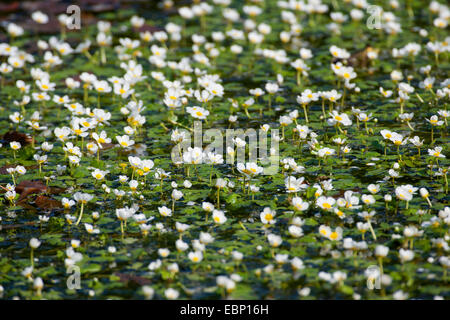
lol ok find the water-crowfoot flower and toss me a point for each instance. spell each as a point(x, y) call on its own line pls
point(90, 229)
point(249, 169)
point(123, 215)
point(164, 211)
point(338, 119)
point(406, 255)
point(176, 195)
point(213, 78)
point(125, 141)
point(195, 256)
point(426, 195)
point(306, 98)
point(325, 203)
point(274, 241)
point(404, 193)
point(267, 216)
point(99, 174)
point(368, 215)
point(82, 199)
point(171, 294)
point(15, 146)
point(299, 204)
point(326, 232)
point(38, 285)
point(219, 217)
point(220, 184)
point(271, 89)
point(207, 207)
point(381, 252)
point(11, 195)
point(294, 185)
point(34, 244)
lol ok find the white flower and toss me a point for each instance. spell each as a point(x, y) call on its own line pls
point(207, 206)
point(295, 185)
point(381, 251)
point(90, 229)
point(148, 292)
point(171, 294)
point(99, 174)
point(15, 145)
point(38, 284)
point(295, 231)
point(268, 216)
point(274, 240)
point(326, 203)
point(82, 197)
point(176, 195)
point(163, 252)
point(406, 255)
point(219, 217)
point(39, 17)
point(249, 169)
point(124, 141)
point(164, 211)
point(436, 152)
point(181, 245)
point(35, 243)
point(196, 256)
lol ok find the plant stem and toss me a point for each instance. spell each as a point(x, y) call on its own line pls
point(81, 214)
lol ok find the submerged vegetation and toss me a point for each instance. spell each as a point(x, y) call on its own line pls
point(103, 199)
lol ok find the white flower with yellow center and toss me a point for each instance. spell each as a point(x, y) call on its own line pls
point(99, 174)
point(268, 216)
point(195, 256)
point(124, 141)
point(219, 217)
point(326, 203)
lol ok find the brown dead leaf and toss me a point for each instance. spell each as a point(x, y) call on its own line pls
point(44, 202)
point(106, 146)
point(28, 187)
point(133, 279)
point(147, 27)
point(9, 7)
point(23, 138)
point(358, 59)
point(51, 27)
point(49, 7)
point(16, 226)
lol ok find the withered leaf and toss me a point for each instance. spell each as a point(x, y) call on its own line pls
point(106, 146)
point(9, 7)
point(27, 187)
point(51, 27)
point(49, 7)
point(23, 138)
point(147, 27)
point(44, 202)
point(133, 279)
